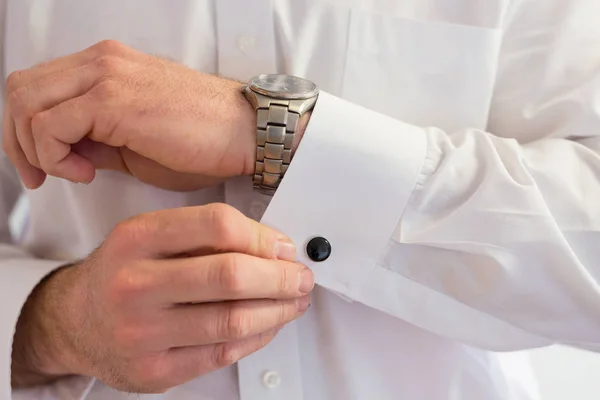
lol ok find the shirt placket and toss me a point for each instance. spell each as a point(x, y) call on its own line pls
point(246, 47)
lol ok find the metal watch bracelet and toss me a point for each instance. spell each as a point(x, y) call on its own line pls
point(276, 128)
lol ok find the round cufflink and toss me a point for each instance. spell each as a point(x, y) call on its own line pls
point(318, 249)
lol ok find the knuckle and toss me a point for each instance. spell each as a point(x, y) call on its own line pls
point(106, 124)
point(108, 64)
point(226, 354)
point(128, 234)
point(17, 99)
point(222, 221)
point(40, 124)
point(106, 90)
point(127, 285)
point(122, 237)
point(266, 337)
point(237, 322)
point(105, 47)
point(131, 230)
point(285, 312)
point(287, 280)
point(153, 375)
point(230, 276)
point(14, 80)
point(49, 167)
point(124, 229)
point(127, 337)
point(266, 242)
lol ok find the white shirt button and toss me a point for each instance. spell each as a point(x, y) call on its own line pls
point(246, 43)
point(271, 379)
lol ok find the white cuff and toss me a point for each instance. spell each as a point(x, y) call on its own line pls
point(70, 388)
point(349, 182)
point(18, 277)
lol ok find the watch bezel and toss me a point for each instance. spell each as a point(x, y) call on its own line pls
point(253, 85)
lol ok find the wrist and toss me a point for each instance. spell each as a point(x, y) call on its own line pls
point(282, 103)
point(245, 125)
point(302, 124)
point(250, 154)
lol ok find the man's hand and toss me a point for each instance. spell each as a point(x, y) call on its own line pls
point(112, 107)
point(169, 296)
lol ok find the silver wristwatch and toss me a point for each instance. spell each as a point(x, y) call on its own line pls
point(280, 101)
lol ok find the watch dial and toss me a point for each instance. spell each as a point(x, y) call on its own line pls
point(284, 85)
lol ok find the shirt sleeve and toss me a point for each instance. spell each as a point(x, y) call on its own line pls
point(488, 236)
point(19, 274)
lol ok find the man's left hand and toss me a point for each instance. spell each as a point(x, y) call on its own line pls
point(112, 107)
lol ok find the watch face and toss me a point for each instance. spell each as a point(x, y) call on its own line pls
point(284, 86)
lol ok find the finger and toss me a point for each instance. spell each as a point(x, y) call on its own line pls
point(32, 177)
point(149, 171)
point(214, 228)
point(26, 142)
point(45, 93)
point(53, 138)
point(87, 103)
point(211, 323)
point(18, 79)
point(230, 276)
point(101, 155)
point(94, 115)
point(186, 363)
point(143, 169)
point(56, 157)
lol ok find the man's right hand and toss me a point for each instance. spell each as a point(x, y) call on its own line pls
point(169, 296)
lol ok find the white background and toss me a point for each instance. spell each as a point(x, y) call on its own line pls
point(567, 374)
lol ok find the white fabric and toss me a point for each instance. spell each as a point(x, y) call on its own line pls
point(449, 242)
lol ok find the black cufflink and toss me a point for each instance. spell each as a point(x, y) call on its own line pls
point(318, 249)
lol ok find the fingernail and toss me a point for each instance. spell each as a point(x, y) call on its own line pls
point(303, 303)
point(286, 249)
point(307, 281)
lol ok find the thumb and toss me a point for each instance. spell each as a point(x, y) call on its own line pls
point(100, 155)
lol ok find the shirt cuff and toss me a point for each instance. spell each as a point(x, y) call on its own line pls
point(18, 277)
point(69, 388)
point(350, 179)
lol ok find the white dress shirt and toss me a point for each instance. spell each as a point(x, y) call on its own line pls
point(452, 161)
